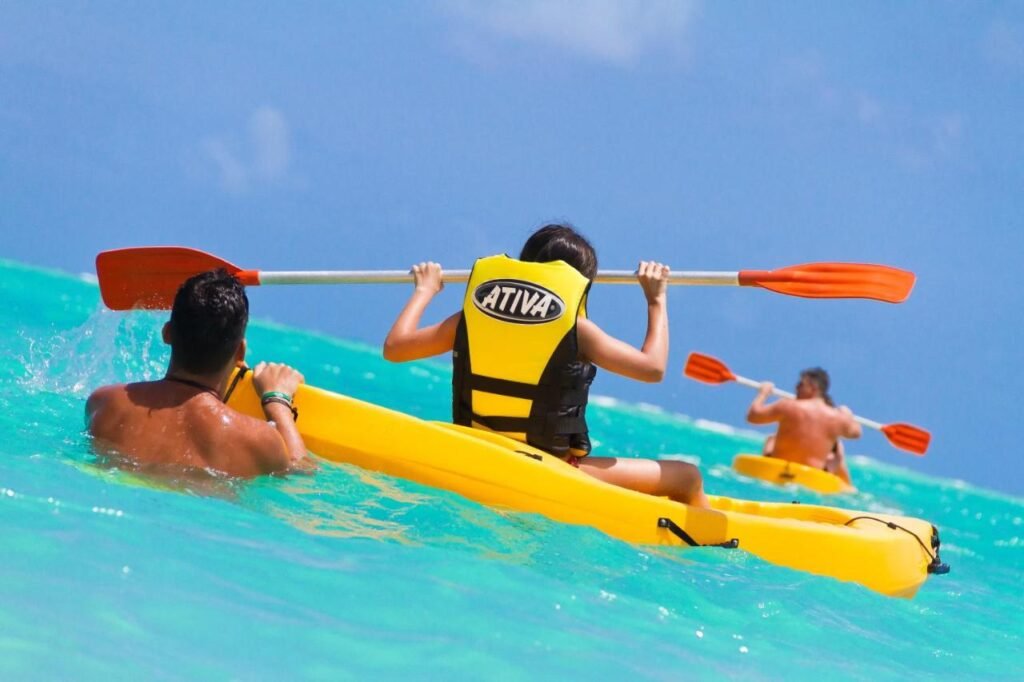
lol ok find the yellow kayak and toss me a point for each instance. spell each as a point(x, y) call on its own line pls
point(890, 554)
point(780, 471)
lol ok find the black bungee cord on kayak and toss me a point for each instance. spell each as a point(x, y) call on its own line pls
point(674, 528)
point(243, 370)
point(935, 566)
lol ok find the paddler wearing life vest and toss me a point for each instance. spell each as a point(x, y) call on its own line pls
point(524, 354)
point(180, 423)
point(810, 425)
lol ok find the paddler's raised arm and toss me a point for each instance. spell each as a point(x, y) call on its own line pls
point(851, 427)
point(648, 362)
point(759, 413)
point(406, 340)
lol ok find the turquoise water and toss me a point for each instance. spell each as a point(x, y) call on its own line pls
point(347, 574)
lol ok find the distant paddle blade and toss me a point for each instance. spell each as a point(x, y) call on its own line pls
point(834, 280)
point(148, 277)
point(908, 437)
point(707, 369)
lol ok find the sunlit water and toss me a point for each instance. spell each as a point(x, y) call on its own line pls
point(347, 574)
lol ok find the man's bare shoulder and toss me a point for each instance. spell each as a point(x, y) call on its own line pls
point(786, 406)
point(256, 446)
point(104, 394)
point(823, 413)
point(104, 402)
point(228, 423)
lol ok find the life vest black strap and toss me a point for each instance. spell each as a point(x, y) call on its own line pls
point(559, 425)
point(503, 424)
point(576, 397)
point(512, 389)
point(571, 394)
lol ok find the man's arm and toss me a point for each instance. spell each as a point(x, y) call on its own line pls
point(851, 428)
point(282, 447)
point(283, 421)
point(759, 413)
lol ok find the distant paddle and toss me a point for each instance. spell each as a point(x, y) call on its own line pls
point(713, 371)
point(149, 276)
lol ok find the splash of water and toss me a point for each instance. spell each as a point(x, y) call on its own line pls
point(108, 347)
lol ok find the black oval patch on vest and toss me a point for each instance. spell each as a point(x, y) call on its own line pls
point(514, 300)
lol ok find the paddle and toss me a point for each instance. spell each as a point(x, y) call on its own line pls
point(713, 371)
point(148, 277)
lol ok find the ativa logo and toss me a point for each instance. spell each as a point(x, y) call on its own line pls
point(516, 301)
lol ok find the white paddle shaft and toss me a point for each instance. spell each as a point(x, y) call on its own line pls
point(786, 394)
point(693, 278)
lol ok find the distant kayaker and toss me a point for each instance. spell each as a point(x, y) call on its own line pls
point(181, 420)
point(524, 354)
point(810, 425)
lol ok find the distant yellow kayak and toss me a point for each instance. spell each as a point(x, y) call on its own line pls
point(780, 471)
point(890, 554)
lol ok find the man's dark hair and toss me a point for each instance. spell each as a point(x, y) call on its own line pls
point(208, 321)
point(561, 242)
point(821, 380)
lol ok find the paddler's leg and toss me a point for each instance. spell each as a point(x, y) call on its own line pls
point(680, 481)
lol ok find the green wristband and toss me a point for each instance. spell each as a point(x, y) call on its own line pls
point(281, 401)
point(276, 394)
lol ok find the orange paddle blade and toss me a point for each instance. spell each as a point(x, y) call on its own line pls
point(148, 277)
point(908, 437)
point(834, 280)
point(707, 369)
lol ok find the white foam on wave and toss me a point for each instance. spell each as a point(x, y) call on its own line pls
point(659, 411)
point(604, 401)
point(726, 429)
point(680, 457)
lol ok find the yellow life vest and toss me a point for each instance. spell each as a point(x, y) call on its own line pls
point(516, 358)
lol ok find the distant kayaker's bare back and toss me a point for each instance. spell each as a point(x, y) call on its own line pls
point(809, 428)
point(808, 431)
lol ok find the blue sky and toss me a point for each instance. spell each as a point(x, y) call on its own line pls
point(710, 136)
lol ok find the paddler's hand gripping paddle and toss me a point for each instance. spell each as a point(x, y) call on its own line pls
point(149, 276)
point(713, 371)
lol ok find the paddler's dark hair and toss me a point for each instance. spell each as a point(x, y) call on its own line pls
point(208, 321)
point(561, 242)
point(821, 380)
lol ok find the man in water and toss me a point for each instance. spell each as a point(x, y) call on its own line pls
point(181, 420)
point(809, 426)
